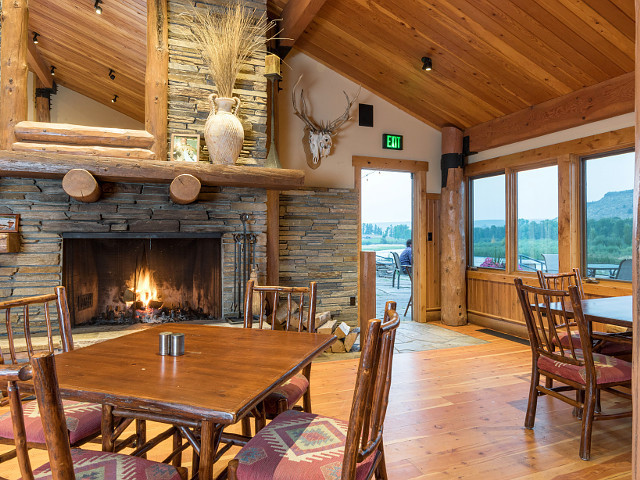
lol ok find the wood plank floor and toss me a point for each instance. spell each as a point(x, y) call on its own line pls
point(458, 413)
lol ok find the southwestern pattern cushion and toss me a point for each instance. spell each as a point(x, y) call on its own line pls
point(83, 420)
point(298, 445)
point(608, 369)
point(292, 391)
point(609, 348)
point(90, 465)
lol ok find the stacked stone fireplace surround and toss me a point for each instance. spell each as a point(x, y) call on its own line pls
point(318, 227)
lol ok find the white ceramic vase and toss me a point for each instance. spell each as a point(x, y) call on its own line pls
point(223, 131)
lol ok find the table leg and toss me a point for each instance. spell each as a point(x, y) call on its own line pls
point(106, 427)
point(210, 434)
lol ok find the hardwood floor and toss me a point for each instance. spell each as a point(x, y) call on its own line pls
point(458, 413)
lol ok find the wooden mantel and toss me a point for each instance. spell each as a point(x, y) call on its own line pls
point(110, 169)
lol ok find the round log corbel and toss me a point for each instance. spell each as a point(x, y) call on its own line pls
point(184, 189)
point(81, 185)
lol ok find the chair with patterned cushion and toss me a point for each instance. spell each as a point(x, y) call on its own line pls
point(65, 463)
point(577, 369)
point(616, 344)
point(293, 308)
point(314, 447)
point(83, 419)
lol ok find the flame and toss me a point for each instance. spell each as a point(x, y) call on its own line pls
point(145, 290)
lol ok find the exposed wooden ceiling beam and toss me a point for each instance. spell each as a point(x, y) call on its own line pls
point(296, 15)
point(37, 65)
point(597, 102)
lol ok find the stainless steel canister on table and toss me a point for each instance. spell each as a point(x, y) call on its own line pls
point(165, 343)
point(177, 344)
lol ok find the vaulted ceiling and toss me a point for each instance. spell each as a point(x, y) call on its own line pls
point(84, 46)
point(490, 57)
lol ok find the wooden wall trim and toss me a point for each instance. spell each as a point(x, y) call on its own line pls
point(635, 388)
point(157, 76)
point(596, 102)
point(378, 163)
point(602, 142)
point(13, 69)
point(420, 222)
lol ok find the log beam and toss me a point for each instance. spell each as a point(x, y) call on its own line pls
point(453, 292)
point(38, 66)
point(597, 102)
point(296, 16)
point(157, 76)
point(106, 169)
point(184, 189)
point(13, 69)
point(81, 185)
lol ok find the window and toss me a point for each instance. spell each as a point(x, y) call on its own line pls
point(488, 222)
point(608, 212)
point(537, 228)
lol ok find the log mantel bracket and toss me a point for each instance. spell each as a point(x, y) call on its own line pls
point(113, 169)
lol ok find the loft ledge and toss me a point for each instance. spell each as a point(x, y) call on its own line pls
point(116, 169)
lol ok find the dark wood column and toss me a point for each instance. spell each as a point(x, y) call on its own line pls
point(43, 102)
point(453, 287)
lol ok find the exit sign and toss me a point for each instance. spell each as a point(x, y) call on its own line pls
point(391, 142)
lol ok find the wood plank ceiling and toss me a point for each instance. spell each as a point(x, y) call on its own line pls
point(83, 46)
point(490, 57)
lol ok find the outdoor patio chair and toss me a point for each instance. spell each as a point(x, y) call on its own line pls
point(551, 262)
point(64, 463)
point(580, 370)
point(83, 419)
point(340, 450)
point(279, 303)
point(625, 270)
point(399, 269)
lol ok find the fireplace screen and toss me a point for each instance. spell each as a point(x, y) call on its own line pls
point(129, 280)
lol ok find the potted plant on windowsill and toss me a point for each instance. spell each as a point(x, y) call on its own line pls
point(227, 41)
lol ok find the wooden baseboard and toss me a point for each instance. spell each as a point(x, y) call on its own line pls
point(499, 325)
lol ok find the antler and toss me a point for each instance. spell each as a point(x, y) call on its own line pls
point(302, 115)
point(332, 126)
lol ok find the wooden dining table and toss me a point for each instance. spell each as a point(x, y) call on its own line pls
point(610, 310)
point(224, 373)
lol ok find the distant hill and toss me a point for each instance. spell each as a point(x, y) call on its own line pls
point(613, 204)
point(488, 223)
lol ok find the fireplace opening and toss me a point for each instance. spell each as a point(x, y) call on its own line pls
point(149, 278)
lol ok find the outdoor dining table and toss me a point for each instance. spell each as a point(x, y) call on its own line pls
point(224, 373)
point(609, 268)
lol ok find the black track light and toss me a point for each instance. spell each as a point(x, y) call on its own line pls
point(98, 7)
point(114, 99)
point(53, 71)
point(112, 74)
point(426, 64)
point(35, 37)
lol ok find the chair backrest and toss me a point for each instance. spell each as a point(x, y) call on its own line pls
point(551, 262)
point(45, 382)
point(280, 303)
point(25, 309)
point(561, 281)
point(396, 260)
point(625, 270)
point(371, 396)
point(551, 313)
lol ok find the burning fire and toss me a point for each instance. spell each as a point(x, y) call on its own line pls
point(145, 289)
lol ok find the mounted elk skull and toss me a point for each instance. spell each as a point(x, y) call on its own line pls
point(320, 135)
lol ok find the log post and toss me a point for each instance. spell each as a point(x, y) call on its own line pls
point(453, 288)
point(13, 69)
point(157, 76)
point(81, 185)
point(184, 189)
point(43, 102)
point(273, 237)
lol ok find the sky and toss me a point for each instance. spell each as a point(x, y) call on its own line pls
point(386, 196)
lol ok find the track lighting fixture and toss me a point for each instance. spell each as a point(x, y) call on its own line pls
point(112, 74)
point(114, 99)
point(426, 64)
point(53, 71)
point(35, 37)
point(98, 7)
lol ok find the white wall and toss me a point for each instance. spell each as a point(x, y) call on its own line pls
point(325, 101)
point(602, 126)
point(71, 107)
